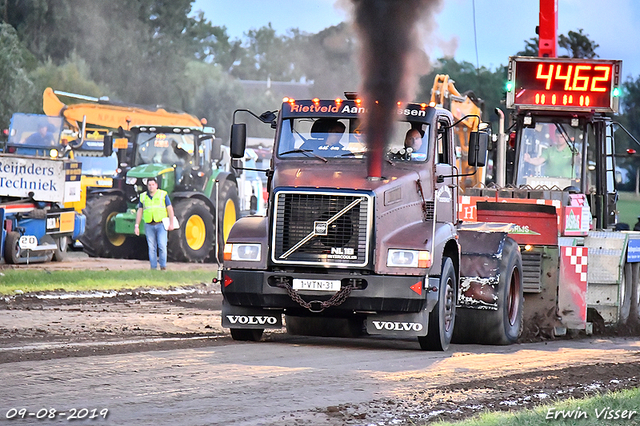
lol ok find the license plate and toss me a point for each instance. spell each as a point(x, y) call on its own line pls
point(321, 285)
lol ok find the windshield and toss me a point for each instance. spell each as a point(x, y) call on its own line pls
point(550, 155)
point(35, 131)
point(343, 138)
point(164, 148)
point(98, 166)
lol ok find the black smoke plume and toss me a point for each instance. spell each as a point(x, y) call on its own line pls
point(388, 36)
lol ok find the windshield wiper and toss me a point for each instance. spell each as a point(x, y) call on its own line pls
point(565, 136)
point(305, 152)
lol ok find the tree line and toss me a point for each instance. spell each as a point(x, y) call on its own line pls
point(161, 52)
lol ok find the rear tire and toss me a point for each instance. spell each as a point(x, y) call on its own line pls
point(502, 326)
point(247, 334)
point(61, 252)
point(442, 317)
point(12, 248)
point(100, 239)
point(193, 240)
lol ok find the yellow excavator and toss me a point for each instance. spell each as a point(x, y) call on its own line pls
point(444, 94)
point(190, 181)
point(104, 113)
point(88, 122)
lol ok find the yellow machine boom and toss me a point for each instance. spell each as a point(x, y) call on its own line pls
point(113, 115)
point(444, 94)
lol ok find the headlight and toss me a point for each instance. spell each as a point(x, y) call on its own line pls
point(242, 252)
point(53, 153)
point(398, 258)
point(131, 180)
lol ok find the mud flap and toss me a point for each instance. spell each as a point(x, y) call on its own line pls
point(404, 325)
point(242, 317)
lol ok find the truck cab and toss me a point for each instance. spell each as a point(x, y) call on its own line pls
point(380, 254)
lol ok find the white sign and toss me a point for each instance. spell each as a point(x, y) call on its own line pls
point(47, 179)
point(28, 242)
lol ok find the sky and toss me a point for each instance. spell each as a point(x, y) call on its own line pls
point(501, 26)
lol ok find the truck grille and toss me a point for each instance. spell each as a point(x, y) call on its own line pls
point(328, 229)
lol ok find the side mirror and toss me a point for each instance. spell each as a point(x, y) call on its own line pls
point(267, 117)
point(238, 140)
point(107, 147)
point(216, 149)
point(478, 143)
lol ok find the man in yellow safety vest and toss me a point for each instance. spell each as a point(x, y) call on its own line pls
point(154, 206)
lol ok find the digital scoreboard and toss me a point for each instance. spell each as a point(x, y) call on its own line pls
point(564, 84)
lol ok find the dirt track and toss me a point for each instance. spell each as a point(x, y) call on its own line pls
point(399, 388)
point(403, 385)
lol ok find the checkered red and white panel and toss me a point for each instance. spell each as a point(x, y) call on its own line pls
point(578, 259)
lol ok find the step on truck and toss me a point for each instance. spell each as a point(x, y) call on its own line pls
point(34, 185)
point(340, 253)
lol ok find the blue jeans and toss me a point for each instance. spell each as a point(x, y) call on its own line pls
point(156, 238)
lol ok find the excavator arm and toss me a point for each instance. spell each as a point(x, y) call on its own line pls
point(113, 115)
point(444, 94)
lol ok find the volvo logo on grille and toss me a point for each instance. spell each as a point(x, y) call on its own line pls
point(320, 228)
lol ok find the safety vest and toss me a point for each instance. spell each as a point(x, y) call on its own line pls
point(154, 209)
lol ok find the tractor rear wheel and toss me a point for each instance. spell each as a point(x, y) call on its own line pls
point(100, 238)
point(192, 241)
point(229, 212)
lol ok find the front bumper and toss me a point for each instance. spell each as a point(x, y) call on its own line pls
point(373, 294)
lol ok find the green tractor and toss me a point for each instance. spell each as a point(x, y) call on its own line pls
point(186, 163)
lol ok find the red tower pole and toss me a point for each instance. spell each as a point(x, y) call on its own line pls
point(548, 29)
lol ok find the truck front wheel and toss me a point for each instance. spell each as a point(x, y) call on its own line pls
point(442, 317)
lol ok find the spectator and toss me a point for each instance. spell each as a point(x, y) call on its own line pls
point(154, 206)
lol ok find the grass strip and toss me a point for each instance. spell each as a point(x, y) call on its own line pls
point(22, 281)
